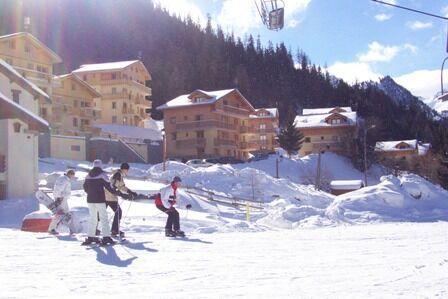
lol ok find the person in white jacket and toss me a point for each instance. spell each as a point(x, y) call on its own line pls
point(61, 191)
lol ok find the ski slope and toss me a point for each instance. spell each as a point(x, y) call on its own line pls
point(387, 240)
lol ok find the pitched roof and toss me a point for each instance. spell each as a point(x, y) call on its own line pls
point(325, 110)
point(55, 57)
point(211, 98)
point(92, 90)
point(15, 76)
point(392, 145)
point(273, 112)
point(318, 120)
point(10, 110)
point(108, 66)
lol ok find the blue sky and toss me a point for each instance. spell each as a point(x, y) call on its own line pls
point(356, 39)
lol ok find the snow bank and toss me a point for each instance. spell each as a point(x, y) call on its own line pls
point(408, 198)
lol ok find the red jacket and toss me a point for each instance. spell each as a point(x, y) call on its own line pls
point(167, 196)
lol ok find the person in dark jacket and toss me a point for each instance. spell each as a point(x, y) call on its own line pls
point(94, 186)
point(117, 183)
point(166, 201)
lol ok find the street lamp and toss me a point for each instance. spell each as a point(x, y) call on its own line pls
point(365, 153)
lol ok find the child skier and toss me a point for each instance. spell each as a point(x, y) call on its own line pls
point(62, 190)
point(94, 185)
point(117, 183)
point(165, 201)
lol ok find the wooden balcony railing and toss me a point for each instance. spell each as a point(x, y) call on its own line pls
point(203, 124)
point(190, 143)
point(224, 142)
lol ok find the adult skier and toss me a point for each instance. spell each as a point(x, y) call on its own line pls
point(117, 183)
point(165, 201)
point(62, 190)
point(94, 186)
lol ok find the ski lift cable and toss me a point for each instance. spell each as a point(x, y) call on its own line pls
point(412, 9)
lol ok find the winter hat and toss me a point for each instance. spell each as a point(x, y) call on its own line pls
point(98, 163)
point(124, 165)
point(176, 179)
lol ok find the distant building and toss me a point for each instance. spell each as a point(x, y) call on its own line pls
point(123, 88)
point(33, 60)
point(74, 107)
point(19, 129)
point(400, 149)
point(217, 124)
point(327, 129)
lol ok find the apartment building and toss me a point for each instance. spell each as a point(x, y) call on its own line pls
point(217, 124)
point(327, 129)
point(124, 91)
point(33, 60)
point(74, 108)
point(400, 149)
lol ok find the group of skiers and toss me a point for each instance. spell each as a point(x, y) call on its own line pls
point(103, 192)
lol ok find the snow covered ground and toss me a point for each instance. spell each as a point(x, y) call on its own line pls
point(387, 240)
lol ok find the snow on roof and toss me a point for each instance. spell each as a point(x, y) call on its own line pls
point(346, 184)
point(392, 145)
point(26, 83)
point(56, 58)
point(318, 120)
point(423, 148)
point(14, 110)
point(185, 100)
point(131, 131)
point(108, 66)
point(324, 110)
point(272, 111)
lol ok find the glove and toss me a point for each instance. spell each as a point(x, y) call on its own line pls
point(188, 206)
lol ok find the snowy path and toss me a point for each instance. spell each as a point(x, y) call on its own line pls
point(384, 260)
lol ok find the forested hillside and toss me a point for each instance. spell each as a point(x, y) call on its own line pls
point(182, 56)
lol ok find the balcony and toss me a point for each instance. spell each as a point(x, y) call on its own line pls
point(223, 142)
point(34, 75)
point(227, 109)
point(91, 112)
point(203, 124)
point(191, 143)
point(247, 130)
point(267, 131)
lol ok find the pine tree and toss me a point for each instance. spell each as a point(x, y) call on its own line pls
point(290, 139)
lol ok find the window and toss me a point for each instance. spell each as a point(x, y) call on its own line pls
point(124, 120)
point(114, 105)
point(27, 48)
point(75, 148)
point(185, 118)
point(307, 139)
point(174, 136)
point(322, 137)
point(30, 66)
point(263, 137)
point(12, 44)
point(114, 90)
point(172, 120)
point(75, 122)
point(114, 119)
point(16, 95)
point(43, 112)
point(262, 126)
point(199, 134)
point(17, 127)
point(73, 86)
point(84, 77)
point(75, 103)
point(197, 117)
point(225, 102)
point(114, 76)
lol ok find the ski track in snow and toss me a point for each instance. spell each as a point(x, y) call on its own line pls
point(408, 260)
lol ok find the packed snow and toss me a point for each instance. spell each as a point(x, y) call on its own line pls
point(249, 235)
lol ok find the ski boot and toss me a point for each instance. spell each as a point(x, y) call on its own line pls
point(169, 233)
point(116, 234)
point(90, 240)
point(107, 241)
point(53, 232)
point(179, 233)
